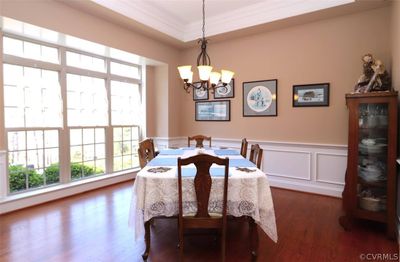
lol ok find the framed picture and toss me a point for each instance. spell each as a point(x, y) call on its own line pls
point(213, 111)
point(201, 93)
point(227, 91)
point(311, 95)
point(260, 98)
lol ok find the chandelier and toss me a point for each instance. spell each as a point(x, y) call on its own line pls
point(206, 75)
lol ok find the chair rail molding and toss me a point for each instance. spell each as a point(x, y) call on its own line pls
point(308, 167)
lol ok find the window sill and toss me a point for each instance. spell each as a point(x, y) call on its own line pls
point(51, 189)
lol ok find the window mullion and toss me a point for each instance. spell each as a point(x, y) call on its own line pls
point(3, 175)
point(109, 130)
point(64, 140)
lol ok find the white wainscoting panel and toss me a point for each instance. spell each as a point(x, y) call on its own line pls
point(289, 164)
point(330, 168)
point(314, 168)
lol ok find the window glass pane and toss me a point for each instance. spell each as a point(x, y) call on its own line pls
point(100, 138)
point(100, 166)
point(31, 162)
point(76, 153)
point(51, 138)
point(87, 101)
point(86, 62)
point(88, 157)
point(13, 46)
point(125, 104)
point(30, 50)
point(34, 139)
point(88, 152)
point(75, 136)
point(35, 97)
point(88, 136)
point(51, 156)
point(35, 159)
point(117, 148)
point(124, 70)
point(16, 141)
point(125, 148)
point(100, 151)
point(127, 133)
point(12, 74)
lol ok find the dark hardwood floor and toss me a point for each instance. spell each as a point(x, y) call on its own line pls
point(94, 227)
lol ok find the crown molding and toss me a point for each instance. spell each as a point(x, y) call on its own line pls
point(255, 14)
point(147, 14)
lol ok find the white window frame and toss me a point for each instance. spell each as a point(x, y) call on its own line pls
point(64, 131)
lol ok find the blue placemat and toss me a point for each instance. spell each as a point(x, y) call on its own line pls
point(171, 152)
point(163, 161)
point(214, 172)
point(226, 152)
point(240, 163)
point(193, 148)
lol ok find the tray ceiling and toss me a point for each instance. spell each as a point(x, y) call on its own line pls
point(182, 19)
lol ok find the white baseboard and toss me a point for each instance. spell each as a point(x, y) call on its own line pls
point(307, 167)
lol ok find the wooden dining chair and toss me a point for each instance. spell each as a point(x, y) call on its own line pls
point(199, 140)
point(146, 152)
point(243, 148)
point(202, 186)
point(256, 153)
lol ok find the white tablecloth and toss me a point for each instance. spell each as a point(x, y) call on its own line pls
point(156, 194)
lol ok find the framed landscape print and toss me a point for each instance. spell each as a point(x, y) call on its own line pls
point(213, 111)
point(227, 91)
point(201, 93)
point(311, 95)
point(260, 98)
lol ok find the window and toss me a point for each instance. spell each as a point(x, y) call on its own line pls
point(88, 156)
point(85, 62)
point(126, 143)
point(124, 70)
point(125, 103)
point(33, 159)
point(89, 103)
point(30, 50)
point(32, 97)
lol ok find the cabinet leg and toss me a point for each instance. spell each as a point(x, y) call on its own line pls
point(145, 255)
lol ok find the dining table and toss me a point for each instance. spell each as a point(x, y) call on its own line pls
point(155, 192)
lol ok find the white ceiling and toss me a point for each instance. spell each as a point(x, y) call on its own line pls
point(182, 19)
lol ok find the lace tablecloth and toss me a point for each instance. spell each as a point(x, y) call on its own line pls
point(156, 194)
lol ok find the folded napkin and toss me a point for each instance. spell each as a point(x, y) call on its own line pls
point(163, 161)
point(171, 152)
point(226, 152)
point(241, 163)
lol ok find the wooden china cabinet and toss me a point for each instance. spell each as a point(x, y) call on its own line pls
point(370, 183)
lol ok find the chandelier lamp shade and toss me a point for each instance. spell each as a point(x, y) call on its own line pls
point(204, 67)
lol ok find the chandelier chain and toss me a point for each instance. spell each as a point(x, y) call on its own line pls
point(204, 19)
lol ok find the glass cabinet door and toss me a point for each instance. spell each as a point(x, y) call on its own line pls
point(372, 156)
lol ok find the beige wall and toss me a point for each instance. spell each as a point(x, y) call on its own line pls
point(395, 34)
point(324, 51)
point(157, 101)
point(62, 18)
